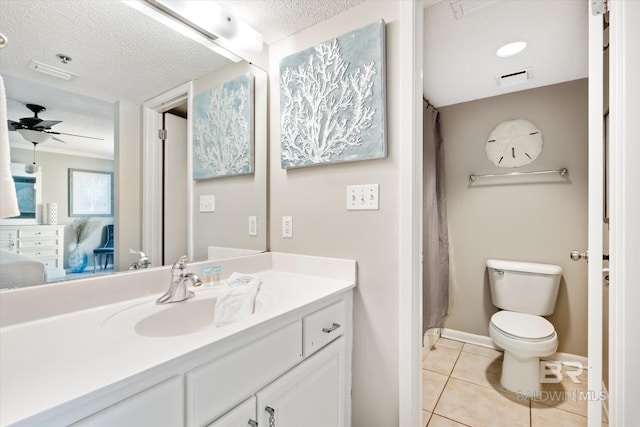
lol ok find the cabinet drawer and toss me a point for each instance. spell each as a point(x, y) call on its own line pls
point(38, 234)
point(216, 387)
point(36, 252)
point(322, 327)
point(50, 263)
point(34, 244)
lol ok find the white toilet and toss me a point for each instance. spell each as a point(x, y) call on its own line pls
point(524, 292)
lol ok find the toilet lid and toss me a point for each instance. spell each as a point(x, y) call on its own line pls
point(523, 325)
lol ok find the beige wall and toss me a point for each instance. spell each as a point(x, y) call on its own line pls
point(55, 189)
point(236, 197)
point(316, 199)
point(537, 219)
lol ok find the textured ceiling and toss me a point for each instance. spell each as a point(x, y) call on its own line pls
point(459, 55)
point(276, 19)
point(121, 54)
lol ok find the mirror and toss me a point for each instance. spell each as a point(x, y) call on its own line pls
point(120, 59)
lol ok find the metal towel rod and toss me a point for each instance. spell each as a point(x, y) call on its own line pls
point(561, 172)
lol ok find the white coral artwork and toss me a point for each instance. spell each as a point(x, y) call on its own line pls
point(332, 100)
point(223, 129)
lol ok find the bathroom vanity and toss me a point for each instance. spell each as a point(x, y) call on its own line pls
point(135, 363)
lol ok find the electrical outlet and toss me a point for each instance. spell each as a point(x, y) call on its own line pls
point(363, 197)
point(208, 203)
point(287, 226)
point(253, 226)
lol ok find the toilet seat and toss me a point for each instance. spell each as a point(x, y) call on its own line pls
point(523, 326)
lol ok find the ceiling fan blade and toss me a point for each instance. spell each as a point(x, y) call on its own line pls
point(58, 139)
point(14, 125)
point(72, 134)
point(46, 124)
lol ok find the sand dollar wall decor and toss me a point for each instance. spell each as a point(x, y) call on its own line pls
point(513, 143)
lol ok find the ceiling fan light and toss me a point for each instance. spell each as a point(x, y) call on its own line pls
point(34, 136)
point(51, 70)
point(32, 168)
point(511, 49)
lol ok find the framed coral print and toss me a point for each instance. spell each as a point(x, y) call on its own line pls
point(332, 100)
point(90, 193)
point(223, 130)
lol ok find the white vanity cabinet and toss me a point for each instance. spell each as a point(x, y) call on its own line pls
point(44, 243)
point(310, 395)
point(158, 406)
point(288, 365)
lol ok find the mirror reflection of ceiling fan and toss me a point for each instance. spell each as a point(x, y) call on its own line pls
point(37, 131)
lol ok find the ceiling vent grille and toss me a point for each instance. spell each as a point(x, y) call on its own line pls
point(515, 78)
point(464, 8)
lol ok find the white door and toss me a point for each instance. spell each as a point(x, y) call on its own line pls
point(595, 221)
point(176, 190)
point(310, 395)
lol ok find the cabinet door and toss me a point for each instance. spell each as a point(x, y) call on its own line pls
point(312, 394)
point(243, 415)
point(158, 406)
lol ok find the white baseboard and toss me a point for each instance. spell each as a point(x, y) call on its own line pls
point(466, 337)
point(484, 341)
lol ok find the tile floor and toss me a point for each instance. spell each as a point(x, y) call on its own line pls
point(461, 387)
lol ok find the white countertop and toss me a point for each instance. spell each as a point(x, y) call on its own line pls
point(48, 362)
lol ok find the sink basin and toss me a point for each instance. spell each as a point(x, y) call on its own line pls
point(149, 319)
point(180, 318)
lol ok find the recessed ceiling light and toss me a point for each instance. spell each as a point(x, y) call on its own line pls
point(511, 49)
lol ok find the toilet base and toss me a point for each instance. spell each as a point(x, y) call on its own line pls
point(521, 376)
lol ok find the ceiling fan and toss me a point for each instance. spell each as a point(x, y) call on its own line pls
point(37, 131)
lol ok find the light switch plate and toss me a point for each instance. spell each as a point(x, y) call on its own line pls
point(363, 197)
point(287, 226)
point(253, 226)
point(207, 203)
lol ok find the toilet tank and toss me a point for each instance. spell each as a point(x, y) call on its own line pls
point(524, 287)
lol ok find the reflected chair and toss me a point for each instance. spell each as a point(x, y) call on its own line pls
point(106, 250)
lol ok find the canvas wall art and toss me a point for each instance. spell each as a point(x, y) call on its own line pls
point(223, 129)
point(90, 193)
point(332, 100)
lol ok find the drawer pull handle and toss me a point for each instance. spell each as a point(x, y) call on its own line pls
point(253, 423)
point(332, 328)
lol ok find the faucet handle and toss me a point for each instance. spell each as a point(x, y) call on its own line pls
point(181, 264)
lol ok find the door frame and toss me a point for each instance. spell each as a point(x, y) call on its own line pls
point(595, 218)
point(624, 152)
point(152, 169)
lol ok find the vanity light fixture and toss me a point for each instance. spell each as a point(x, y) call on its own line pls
point(203, 22)
point(51, 70)
point(511, 49)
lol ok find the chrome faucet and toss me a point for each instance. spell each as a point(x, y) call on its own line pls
point(143, 261)
point(178, 290)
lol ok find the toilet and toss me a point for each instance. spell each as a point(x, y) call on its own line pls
point(524, 291)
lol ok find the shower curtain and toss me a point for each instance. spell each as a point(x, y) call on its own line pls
point(435, 239)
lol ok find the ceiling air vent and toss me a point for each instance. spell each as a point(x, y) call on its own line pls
point(464, 8)
point(515, 78)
